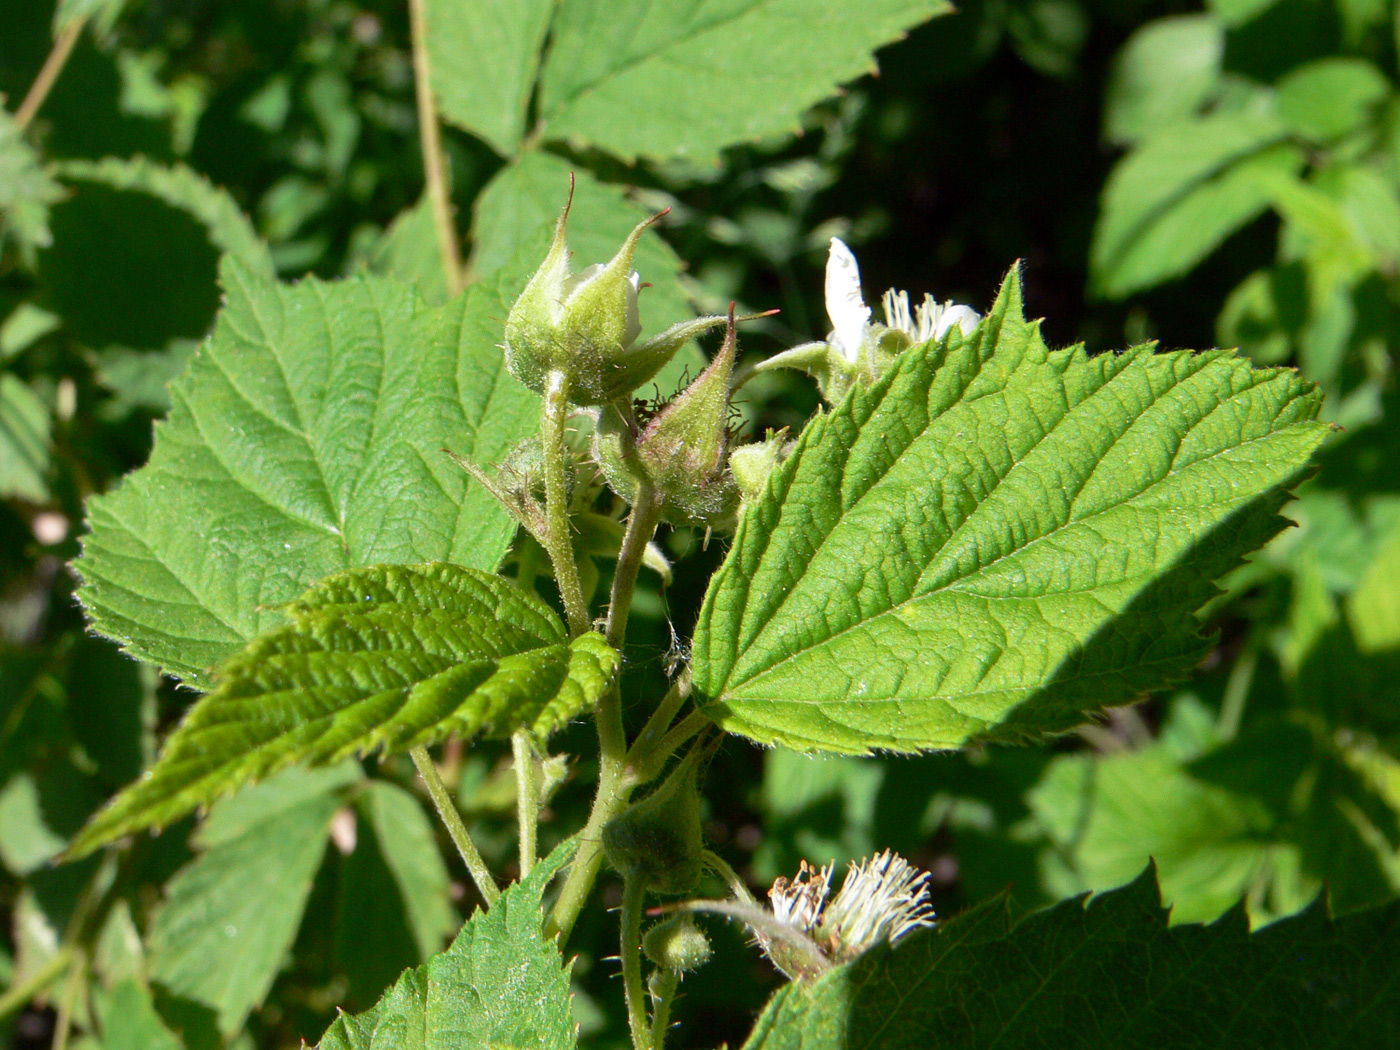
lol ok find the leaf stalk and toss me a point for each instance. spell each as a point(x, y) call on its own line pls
point(452, 820)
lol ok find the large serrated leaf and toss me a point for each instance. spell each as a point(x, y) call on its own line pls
point(501, 984)
point(305, 437)
point(386, 657)
point(241, 901)
point(485, 54)
point(1108, 975)
point(995, 539)
point(680, 77)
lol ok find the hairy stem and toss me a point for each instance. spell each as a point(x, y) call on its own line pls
point(649, 739)
point(633, 895)
point(721, 867)
point(430, 139)
point(48, 73)
point(527, 797)
point(663, 991)
point(614, 791)
point(452, 820)
point(648, 767)
point(641, 526)
point(558, 542)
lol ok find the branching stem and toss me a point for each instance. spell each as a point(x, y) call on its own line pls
point(430, 140)
point(452, 820)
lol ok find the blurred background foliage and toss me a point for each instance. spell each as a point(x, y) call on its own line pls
point(1219, 176)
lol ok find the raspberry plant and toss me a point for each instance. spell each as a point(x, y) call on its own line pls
point(402, 516)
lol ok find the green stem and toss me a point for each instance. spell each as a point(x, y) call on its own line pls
point(452, 820)
point(641, 526)
point(1237, 692)
point(614, 791)
point(660, 721)
point(721, 867)
point(63, 1024)
point(633, 896)
point(527, 797)
point(17, 996)
point(663, 991)
point(48, 73)
point(430, 141)
point(691, 725)
point(559, 543)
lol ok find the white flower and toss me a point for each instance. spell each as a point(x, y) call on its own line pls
point(850, 317)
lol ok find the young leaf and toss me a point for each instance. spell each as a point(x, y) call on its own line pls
point(484, 59)
point(1163, 73)
point(642, 78)
point(389, 656)
point(1174, 199)
point(500, 984)
point(995, 539)
point(231, 915)
point(130, 1021)
point(305, 438)
point(1110, 974)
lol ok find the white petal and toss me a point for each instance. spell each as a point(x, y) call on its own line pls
point(965, 317)
point(849, 315)
point(634, 319)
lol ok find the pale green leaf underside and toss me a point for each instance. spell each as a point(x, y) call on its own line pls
point(230, 916)
point(230, 230)
point(1106, 975)
point(500, 984)
point(484, 56)
point(680, 77)
point(305, 437)
point(386, 657)
point(994, 540)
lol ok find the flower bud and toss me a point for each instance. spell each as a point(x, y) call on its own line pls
point(585, 325)
point(659, 839)
point(677, 944)
point(752, 464)
point(682, 452)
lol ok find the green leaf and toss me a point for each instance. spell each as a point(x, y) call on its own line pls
point(389, 656)
point(408, 252)
point(305, 438)
point(26, 191)
point(130, 1021)
point(1174, 199)
point(995, 539)
point(501, 984)
point(1238, 12)
point(179, 186)
point(70, 11)
point(1163, 73)
point(410, 848)
point(231, 915)
point(1107, 973)
point(24, 441)
point(484, 59)
point(1324, 100)
point(681, 78)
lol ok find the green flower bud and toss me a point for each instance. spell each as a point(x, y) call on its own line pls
point(682, 452)
point(585, 325)
point(677, 944)
point(659, 839)
point(752, 464)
